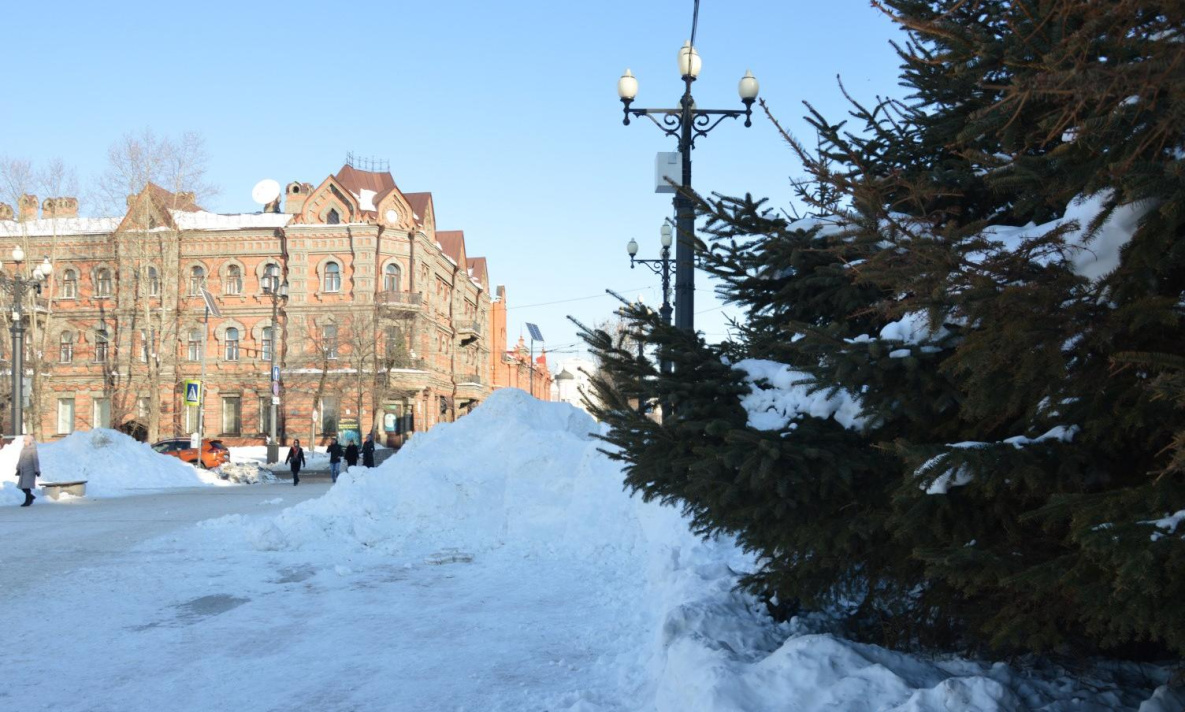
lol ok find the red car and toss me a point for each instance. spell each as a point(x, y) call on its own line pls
point(214, 453)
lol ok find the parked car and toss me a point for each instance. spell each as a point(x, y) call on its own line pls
point(214, 453)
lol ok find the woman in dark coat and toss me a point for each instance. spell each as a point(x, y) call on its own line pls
point(28, 469)
point(295, 460)
point(368, 451)
point(351, 454)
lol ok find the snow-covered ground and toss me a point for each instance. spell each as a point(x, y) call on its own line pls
point(112, 463)
point(492, 564)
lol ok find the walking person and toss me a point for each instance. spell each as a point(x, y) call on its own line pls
point(368, 451)
point(295, 461)
point(335, 458)
point(351, 454)
point(28, 469)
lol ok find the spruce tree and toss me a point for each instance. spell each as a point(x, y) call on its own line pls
point(999, 287)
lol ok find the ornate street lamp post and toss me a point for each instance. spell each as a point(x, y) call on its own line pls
point(661, 267)
point(278, 290)
point(686, 123)
point(17, 285)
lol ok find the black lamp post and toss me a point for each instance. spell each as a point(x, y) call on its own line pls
point(278, 290)
point(661, 267)
point(686, 123)
point(17, 285)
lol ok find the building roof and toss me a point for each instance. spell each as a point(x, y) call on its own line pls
point(203, 220)
point(479, 270)
point(171, 201)
point(563, 375)
point(59, 226)
point(452, 243)
point(420, 204)
point(357, 181)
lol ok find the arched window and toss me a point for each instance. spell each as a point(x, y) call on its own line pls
point(391, 278)
point(101, 342)
point(232, 344)
point(270, 280)
point(69, 284)
point(265, 351)
point(329, 341)
point(102, 282)
point(153, 282)
point(234, 280)
point(333, 277)
point(194, 351)
point(197, 280)
point(66, 347)
point(333, 217)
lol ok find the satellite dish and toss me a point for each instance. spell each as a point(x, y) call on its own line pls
point(265, 191)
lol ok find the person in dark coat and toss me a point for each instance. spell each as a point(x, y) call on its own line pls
point(295, 460)
point(351, 454)
point(335, 458)
point(28, 469)
point(368, 451)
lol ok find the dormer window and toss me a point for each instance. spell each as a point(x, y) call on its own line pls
point(333, 217)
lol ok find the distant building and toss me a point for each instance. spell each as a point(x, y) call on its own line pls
point(514, 367)
point(572, 382)
point(387, 324)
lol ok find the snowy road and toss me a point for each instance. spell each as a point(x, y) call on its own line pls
point(132, 608)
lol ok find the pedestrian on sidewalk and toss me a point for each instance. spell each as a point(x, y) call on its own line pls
point(28, 469)
point(295, 461)
point(351, 454)
point(368, 451)
point(335, 458)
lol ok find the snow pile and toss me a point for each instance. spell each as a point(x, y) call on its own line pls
point(245, 473)
point(779, 394)
point(523, 481)
point(112, 463)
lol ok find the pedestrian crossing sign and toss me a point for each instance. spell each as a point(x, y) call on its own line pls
point(193, 392)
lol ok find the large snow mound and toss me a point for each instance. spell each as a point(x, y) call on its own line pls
point(520, 479)
point(112, 463)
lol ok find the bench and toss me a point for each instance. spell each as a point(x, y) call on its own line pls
point(53, 490)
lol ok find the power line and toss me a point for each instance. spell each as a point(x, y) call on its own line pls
point(574, 299)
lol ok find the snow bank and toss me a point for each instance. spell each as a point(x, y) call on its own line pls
point(112, 463)
point(522, 480)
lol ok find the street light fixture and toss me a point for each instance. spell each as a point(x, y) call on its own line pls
point(661, 267)
point(686, 124)
point(16, 285)
point(277, 290)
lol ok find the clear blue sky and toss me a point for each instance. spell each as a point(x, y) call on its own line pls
point(506, 111)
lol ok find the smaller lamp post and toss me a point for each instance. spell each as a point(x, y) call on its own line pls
point(661, 267)
point(17, 285)
point(278, 290)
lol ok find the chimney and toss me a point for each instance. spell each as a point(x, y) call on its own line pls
point(5, 211)
point(27, 205)
point(295, 195)
point(59, 208)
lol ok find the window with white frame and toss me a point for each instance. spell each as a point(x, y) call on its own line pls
point(101, 344)
point(265, 344)
point(271, 277)
point(103, 285)
point(391, 278)
point(232, 344)
point(234, 280)
point(66, 347)
point(232, 415)
point(329, 341)
point(153, 282)
point(69, 284)
point(194, 351)
point(65, 416)
point(102, 412)
point(333, 277)
point(197, 280)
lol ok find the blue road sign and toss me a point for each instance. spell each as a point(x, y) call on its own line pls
point(193, 392)
point(275, 373)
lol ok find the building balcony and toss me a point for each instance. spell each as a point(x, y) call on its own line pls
point(409, 374)
point(469, 378)
point(470, 387)
point(410, 301)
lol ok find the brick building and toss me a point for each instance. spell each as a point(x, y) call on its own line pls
point(386, 323)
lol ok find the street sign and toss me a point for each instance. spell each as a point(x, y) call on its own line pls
point(210, 303)
point(193, 392)
point(275, 400)
point(275, 373)
point(535, 334)
point(275, 388)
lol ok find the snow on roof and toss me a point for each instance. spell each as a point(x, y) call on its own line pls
point(366, 199)
point(202, 220)
point(58, 226)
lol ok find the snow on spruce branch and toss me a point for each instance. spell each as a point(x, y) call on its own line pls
point(961, 475)
point(779, 395)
